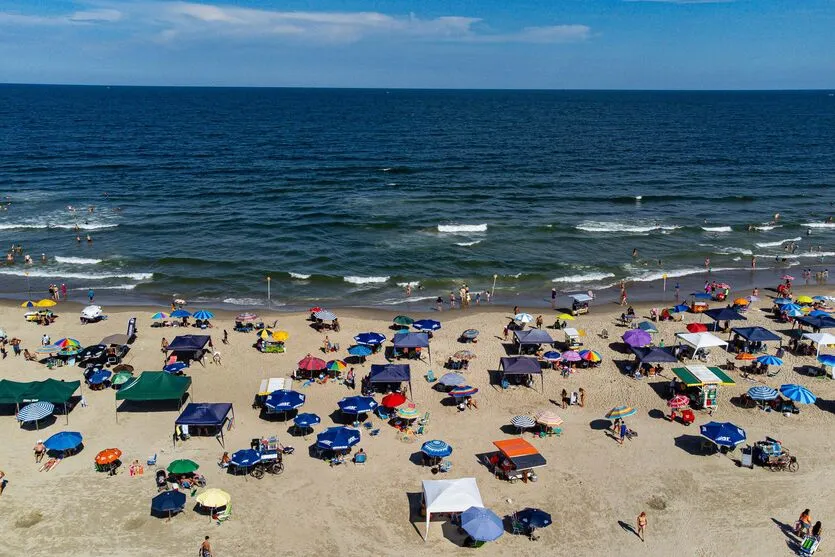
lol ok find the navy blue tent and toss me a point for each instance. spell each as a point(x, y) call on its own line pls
point(189, 343)
point(654, 355)
point(391, 373)
point(725, 314)
point(207, 414)
point(817, 323)
point(528, 337)
point(755, 334)
point(520, 365)
point(413, 340)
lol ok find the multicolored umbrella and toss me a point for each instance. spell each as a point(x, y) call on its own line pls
point(403, 320)
point(67, 343)
point(591, 356)
point(336, 365)
point(548, 418)
point(787, 277)
point(311, 363)
point(246, 316)
point(770, 360)
point(393, 400)
point(798, 393)
point(762, 392)
point(522, 422)
point(160, 315)
point(571, 356)
point(621, 412)
point(452, 380)
point(678, 401)
point(183, 466)
point(464, 355)
point(203, 315)
point(28, 304)
point(464, 391)
point(408, 412)
point(436, 448)
point(724, 434)
point(108, 456)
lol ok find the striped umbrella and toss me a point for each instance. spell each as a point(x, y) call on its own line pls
point(203, 314)
point(67, 343)
point(324, 315)
point(246, 317)
point(770, 360)
point(591, 356)
point(453, 380)
point(621, 412)
point(409, 412)
point(464, 391)
point(678, 401)
point(761, 392)
point(548, 418)
point(571, 356)
point(827, 359)
point(35, 411)
point(522, 422)
point(798, 393)
point(160, 315)
point(337, 365)
point(436, 448)
point(523, 317)
point(464, 355)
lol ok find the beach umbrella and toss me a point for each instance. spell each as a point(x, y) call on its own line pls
point(324, 315)
point(819, 313)
point(28, 304)
point(123, 367)
point(742, 301)
point(591, 356)
point(63, 441)
point(795, 313)
point(697, 328)
point(571, 356)
point(121, 378)
point(522, 422)
point(336, 365)
point(360, 350)
point(244, 458)
point(99, 377)
point(436, 448)
point(482, 524)
point(787, 277)
point(311, 363)
point(770, 360)
point(67, 343)
point(69, 351)
point(762, 392)
point(724, 434)
point(265, 334)
point(534, 518)
point(203, 315)
point(722, 285)
point(213, 498)
point(798, 393)
point(678, 401)
point(370, 338)
point(314, 309)
point(821, 298)
point(452, 380)
point(523, 317)
point(680, 308)
point(284, 400)
point(621, 412)
point(48, 349)
point(647, 326)
point(702, 295)
point(781, 301)
point(463, 391)
point(280, 336)
point(804, 300)
point(169, 502)
point(790, 307)
point(745, 357)
point(403, 320)
point(306, 420)
point(408, 412)
point(160, 315)
point(357, 404)
point(35, 411)
point(338, 438)
point(464, 355)
point(753, 298)
point(108, 456)
point(393, 400)
point(175, 367)
point(637, 338)
point(548, 418)
point(827, 359)
point(95, 351)
point(45, 303)
point(552, 356)
point(427, 325)
point(470, 334)
point(183, 466)
point(246, 317)
point(179, 313)
point(566, 317)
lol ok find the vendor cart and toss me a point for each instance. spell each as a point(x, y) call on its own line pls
point(701, 384)
point(515, 460)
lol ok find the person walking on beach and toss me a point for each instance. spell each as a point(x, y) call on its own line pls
point(623, 296)
point(205, 549)
point(91, 295)
point(582, 393)
point(451, 299)
point(539, 321)
point(642, 524)
point(225, 336)
point(804, 523)
point(553, 298)
point(3, 482)
point(163, 345)
point(64, 291)
point(677, 290)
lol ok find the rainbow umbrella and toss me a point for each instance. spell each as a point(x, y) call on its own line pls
point(591, 356)
point(67, 343)
point(337, 365)
point(408, 412)
point(464, 391)
point(621, 412)
point(160, 315)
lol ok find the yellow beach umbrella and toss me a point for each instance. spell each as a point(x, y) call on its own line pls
point(28, 304)
point(565, 317)
point(45, 303)
point(804, 300)
point(281, 336)
point(213, 498)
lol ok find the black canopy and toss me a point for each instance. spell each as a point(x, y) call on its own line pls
point(391, 373)
point(413, 340)
point(817, 322)
point(755, 334)
point(654, 355)
point(189, 343)
point(725, 314)
point(520, 365)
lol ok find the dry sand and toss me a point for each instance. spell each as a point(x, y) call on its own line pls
point(697, 505)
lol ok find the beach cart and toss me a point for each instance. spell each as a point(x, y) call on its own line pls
point(515, 460)
point(701, 384)
point(572, 338)
point(268, 386)
point(579, 304)
point(771, 454)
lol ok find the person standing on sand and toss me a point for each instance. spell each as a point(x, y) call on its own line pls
point(3, 482)
point(553, 298)
point(225, 336)
point(91, 295)
point(623, 296)
point(642, 524)
point(205, 549)
point(582, 397)
point(753, 261)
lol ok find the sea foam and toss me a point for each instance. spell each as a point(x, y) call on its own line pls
point(461, 228)
point(365, 280)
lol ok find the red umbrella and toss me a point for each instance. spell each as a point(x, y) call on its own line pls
point(678, 401)
point(314, 309)
point(393, 400)
point(697, 328)
point(310, 363)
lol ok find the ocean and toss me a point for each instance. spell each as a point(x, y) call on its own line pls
point(342, 197)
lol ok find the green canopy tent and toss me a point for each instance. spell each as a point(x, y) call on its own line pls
point(48, 390)
point(11, 391)
point(154, 385)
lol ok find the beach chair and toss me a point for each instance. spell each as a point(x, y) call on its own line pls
point(382, 414)
point(360, 459)
point(152, 460)
point(809, 545)
point(445, 466)
point(430, 376)
point(224, 515)
point(374, 432)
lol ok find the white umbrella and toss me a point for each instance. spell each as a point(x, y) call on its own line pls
point(523, 317)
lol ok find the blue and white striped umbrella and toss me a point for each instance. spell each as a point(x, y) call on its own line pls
point(357, 404)
point(523, 422)
point(761, 392)
point(325, 315)
point(284, 400)
point(798, 393)
point(203, 314)
point(35, 411)
point(770, 360)
point(436, 448)
point(452, 380)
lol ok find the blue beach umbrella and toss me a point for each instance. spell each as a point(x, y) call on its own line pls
point(790, 307)
point(782, 301)
point(452, 380)
point(245, 458)
point(818, 313)
point(535, 518)
point(63, 441)
point(370, 338)
point(827, 359)
point(794, 312)
point(552, 356)
point(357, 404)
point(436, 448)
point(482, 524)
point(35, 411)
point(284, 400)
point(175, 367)
point(770, 360)
point(169, 501)
point(306, 420)
point(427, 325)
point(798, 393)
point(761, 392)
point(338, 438)
point(360, 350)
point(99, 377)
point(680, 308)
point(203, 315)
point(724, 434)
point(180, 313)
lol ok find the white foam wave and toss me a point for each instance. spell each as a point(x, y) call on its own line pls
point(675, 273)
point(118, 287)
point(411, 283)
point(300, 276)
point(29, 226)
point(580, 279)
point(717, 229)
point(77, 260)
point(80, 276)
point(467, 244)
point(767, 227)
point(639, 228)
point(398, 301)
point(809, 254)
point(244, 301)
point(365, 280)
point(730, 249)
point(461, 228)
point(776, 244)
point(819, 224)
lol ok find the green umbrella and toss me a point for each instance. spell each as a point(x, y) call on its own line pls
point(404, 320)
point(183, 466)
point(121, 377)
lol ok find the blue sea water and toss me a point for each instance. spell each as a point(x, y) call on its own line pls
point(344, 196)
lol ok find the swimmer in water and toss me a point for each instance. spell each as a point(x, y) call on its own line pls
point(635, 252)
point(89, 239)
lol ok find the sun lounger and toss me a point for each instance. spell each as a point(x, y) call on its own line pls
point(809, 545)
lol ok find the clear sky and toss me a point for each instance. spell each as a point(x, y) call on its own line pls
point(551, 44)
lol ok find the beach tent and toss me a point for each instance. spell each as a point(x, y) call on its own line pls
point(755, 334)
point(725, 314)
point(11, 391)
point(155, 385)
point(653, 355)
point(581, 297)
point(520, 365)
point(820, 339)
point(449, 496)
point(391, 373)
point(188, 347)
point(531, 337)
point(697, 376)
point(208, 414)
point(412, 340)
point(817, 323)
point(700, 341)
point(48, 390)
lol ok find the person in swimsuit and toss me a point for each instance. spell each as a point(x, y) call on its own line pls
point(40, 451)
point(206, 549)
point(642, 524)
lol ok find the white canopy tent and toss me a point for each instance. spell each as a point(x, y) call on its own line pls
point(449, 496)
point(820, 340)
point(700, 341)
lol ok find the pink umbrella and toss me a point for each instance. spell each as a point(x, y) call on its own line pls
point(788, 277)
point(310, 363)
point(678, 401)
point(571, 356)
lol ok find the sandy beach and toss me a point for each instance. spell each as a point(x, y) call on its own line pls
point(696, 505)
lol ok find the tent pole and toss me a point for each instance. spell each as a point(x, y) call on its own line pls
point(66, 414)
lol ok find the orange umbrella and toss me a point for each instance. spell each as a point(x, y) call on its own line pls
point(741, 302)
point(108, 456)
point(746, 357)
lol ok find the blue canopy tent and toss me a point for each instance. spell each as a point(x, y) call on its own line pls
point(724, 314)
point(391, 373)
point(817, 323)
point(653, 355)
point(207, 415)
point(755, 334)
point(412, 340)
point(531, 337)
point(521, 365)
point(188, 347)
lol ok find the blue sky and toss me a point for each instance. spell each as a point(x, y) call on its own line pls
point(555, 44)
